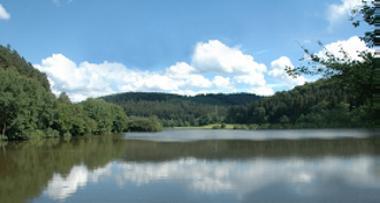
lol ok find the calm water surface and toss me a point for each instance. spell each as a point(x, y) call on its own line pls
point(196, 166)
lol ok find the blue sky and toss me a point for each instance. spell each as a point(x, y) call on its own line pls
point(148, 37)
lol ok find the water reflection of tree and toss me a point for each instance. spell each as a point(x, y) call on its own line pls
point(241, 149)
point(27, 167)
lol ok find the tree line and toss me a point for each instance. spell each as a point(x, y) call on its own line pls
point(29, 109)
point(322, 104)
point(177, 110)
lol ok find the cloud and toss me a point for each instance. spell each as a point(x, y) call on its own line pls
point(263, 90)
point(215, 67)
point(239, 178)
point(221, 81)
point(4, 15)
point(214, 56)
point(61, 187)
point(251, 79)
point(352, 48)
point(336, 13)
point(87, 79)
point(277, 71)
point(183, 73)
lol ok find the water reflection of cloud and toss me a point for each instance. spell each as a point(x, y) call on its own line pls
point(60, 187)
point(226, 176)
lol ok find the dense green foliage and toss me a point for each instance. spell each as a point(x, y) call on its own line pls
point(28, 108)
point(315, 105)
point(10, 59)
point(140, 124)
point(210, 99)
point(177, 110)
point(331, 102)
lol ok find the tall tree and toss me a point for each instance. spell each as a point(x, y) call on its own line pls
point(355, 76)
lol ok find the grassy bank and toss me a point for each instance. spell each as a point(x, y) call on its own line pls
point(224, 126)
point(251, 126)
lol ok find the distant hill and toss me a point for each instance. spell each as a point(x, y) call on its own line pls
point(212, 99)
point(321, 104)
point(179, 110)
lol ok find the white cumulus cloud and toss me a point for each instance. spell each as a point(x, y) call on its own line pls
point(87, 79)
point(216, 56)
point(351, 48)
point(214, 67)
point(221, 81)
point(231, 70)
point(263, 90)
point(277, 70)
point(4, 15)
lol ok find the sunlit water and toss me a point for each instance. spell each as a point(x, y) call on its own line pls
point(211, 166)
point(189, 134)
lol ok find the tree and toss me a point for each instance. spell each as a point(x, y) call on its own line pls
point(259, 115)
point(10, 59)
point(64, 98)
point(108, 117)
point(25, 106)
point(354, 76)
point(366, 14)
point(150, 124)
point(119, 120)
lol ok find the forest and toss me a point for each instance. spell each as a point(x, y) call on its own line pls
point(29, 109)
point(180, 111)
point(322, 104)
point(326, 103)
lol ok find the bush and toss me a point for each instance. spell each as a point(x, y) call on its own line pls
point(140, 124)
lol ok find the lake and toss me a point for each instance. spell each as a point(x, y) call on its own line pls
point(196, 166)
